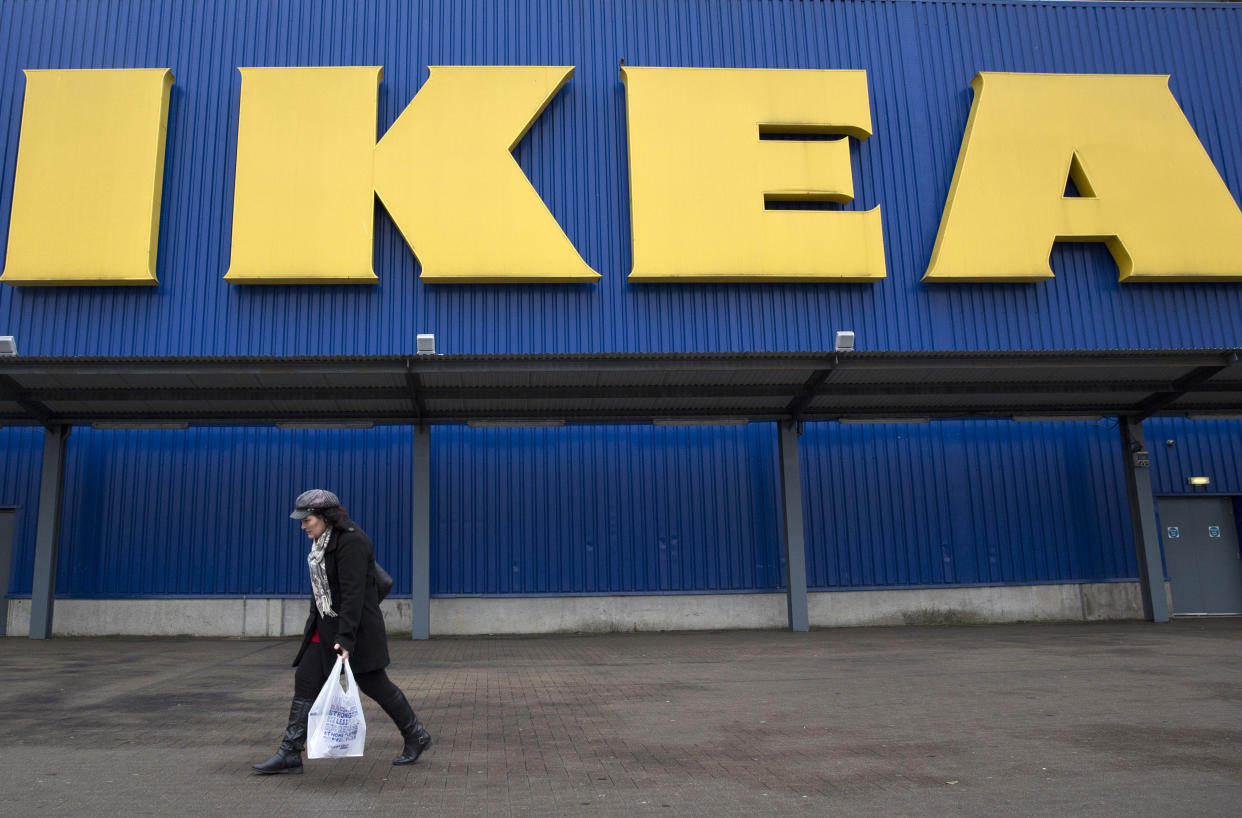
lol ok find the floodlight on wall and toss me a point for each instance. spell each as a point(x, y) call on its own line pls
point(701, 421)
point(325, 424)
point(8, 346)
point(1198, 481)
point(514, 423)
point(845, 340)
point(426, 343)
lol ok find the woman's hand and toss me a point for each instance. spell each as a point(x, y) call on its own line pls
point(344, 653)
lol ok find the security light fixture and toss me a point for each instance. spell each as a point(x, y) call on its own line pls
point(515, 423)
point(8, 346)
point(845, 340)
point(426, 344)
point(1199, 481)
point(703, 421)
point(325, 424)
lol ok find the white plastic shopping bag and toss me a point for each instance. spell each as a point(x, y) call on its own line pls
point(336, 728)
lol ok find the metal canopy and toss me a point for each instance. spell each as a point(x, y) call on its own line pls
point(585, 388)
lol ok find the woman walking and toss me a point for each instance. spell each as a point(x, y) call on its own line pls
point(344, 619)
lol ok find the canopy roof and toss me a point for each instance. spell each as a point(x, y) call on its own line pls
point(586, 388)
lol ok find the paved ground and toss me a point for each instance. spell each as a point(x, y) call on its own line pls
point(1101, 719)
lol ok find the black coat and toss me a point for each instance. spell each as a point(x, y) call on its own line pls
point(349, 562)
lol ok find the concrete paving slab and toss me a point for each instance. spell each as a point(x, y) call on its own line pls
point(1085, 719)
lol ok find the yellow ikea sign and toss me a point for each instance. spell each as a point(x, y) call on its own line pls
point(86, 203)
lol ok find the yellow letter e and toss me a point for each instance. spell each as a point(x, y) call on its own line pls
point(701, 175)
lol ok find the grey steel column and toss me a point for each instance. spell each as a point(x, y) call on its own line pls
point(6, 556)
point(47, 540)
point(420, 562)
point(795, 542)
point(1143, 518)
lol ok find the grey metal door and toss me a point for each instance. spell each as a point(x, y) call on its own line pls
point(1201, 554)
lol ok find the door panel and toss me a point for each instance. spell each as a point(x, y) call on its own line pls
point(1201, 554)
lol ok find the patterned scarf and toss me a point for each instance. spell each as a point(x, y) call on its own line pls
point(319, 577)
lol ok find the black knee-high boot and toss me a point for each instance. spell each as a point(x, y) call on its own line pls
point(417, 739)
point(288, 758)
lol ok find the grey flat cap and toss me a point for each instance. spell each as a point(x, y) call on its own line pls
point(313, 500)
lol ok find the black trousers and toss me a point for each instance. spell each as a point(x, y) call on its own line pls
point(310, 675)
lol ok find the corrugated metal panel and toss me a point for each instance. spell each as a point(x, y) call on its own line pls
point(607, 509)
point(604, 510)
point(206, 511)
point(21, 456)
point(1206, 448)
point(515, 511)
point(964, 502)
point(920, 58)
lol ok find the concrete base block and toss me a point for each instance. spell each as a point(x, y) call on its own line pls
point(595, 614)
point(998, 603)
point(185, 617)
point(1112, 600)
point(143, 617)
point(463, 616)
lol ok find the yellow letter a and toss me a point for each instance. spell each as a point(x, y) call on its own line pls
point(1148, 188)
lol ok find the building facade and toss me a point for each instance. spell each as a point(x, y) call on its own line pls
point(629, 526)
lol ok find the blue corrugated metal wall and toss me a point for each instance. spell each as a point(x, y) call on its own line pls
point(604, 510)
point(21, 452)
point(206, 511)
point(522, 511)
point(1207, 448)
point(965, 502)
point(609, 509)
point(920, 58)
